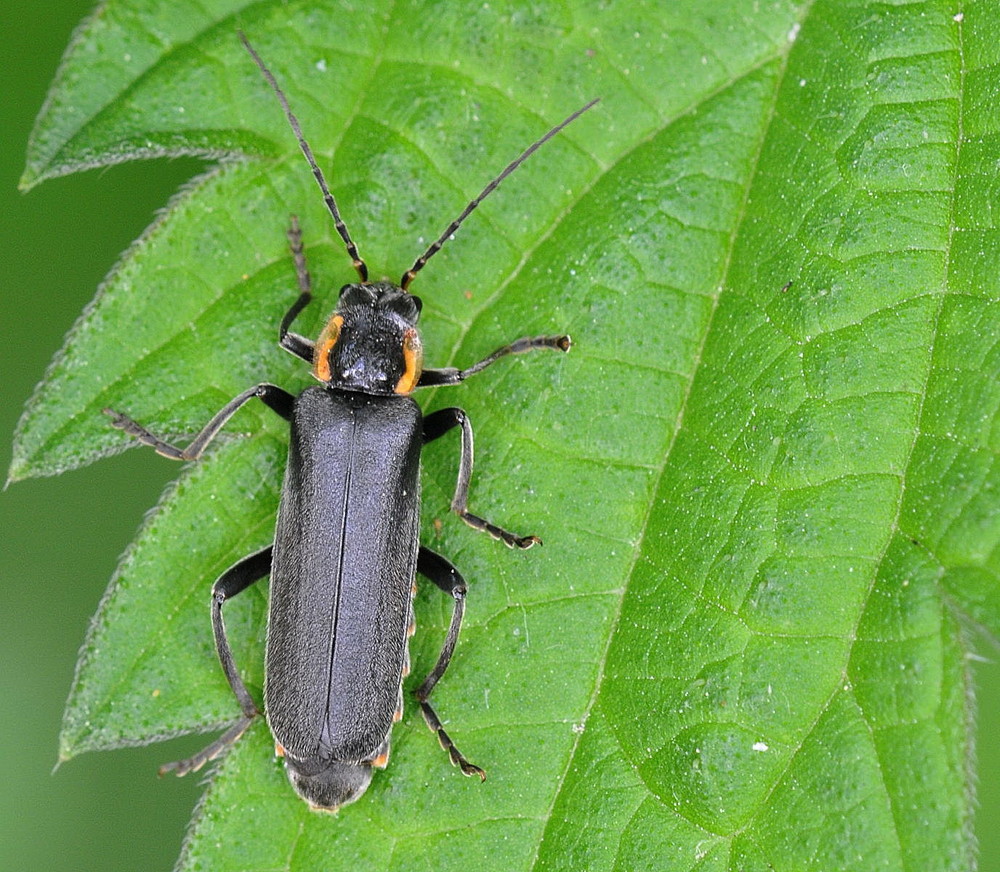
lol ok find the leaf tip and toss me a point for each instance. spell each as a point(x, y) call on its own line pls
point(65, 753)
point(15, 472)
point(29, 178)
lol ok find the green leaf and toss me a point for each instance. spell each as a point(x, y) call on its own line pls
point(770, 510)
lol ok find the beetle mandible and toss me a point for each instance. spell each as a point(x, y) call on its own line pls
point(346, 548)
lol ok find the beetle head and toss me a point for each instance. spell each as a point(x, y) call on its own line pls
point(371, 343)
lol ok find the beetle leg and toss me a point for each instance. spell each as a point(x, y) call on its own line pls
point(274, 397)
point(452, 376)
point(437, 424)
point(293, 342)
point(234, 580)
point(446, 577)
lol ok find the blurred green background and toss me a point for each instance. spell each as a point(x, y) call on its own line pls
point(61, 537)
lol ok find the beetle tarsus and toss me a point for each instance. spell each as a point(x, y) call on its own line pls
point(511, 540)
point(137, 431)
point(192, 764)
point(457, 757)
point(471, 769)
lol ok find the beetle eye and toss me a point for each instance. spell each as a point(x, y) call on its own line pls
point(324, 345)
point(406, 306)
point(356, 295)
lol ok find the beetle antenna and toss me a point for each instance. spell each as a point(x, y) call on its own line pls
point(331, 203)
point(421, 261)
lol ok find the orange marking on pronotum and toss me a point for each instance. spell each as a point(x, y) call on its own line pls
point(327, 339)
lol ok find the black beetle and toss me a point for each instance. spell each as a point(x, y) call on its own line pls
point(346, 549)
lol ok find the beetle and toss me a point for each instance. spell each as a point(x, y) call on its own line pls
point(346, 548)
